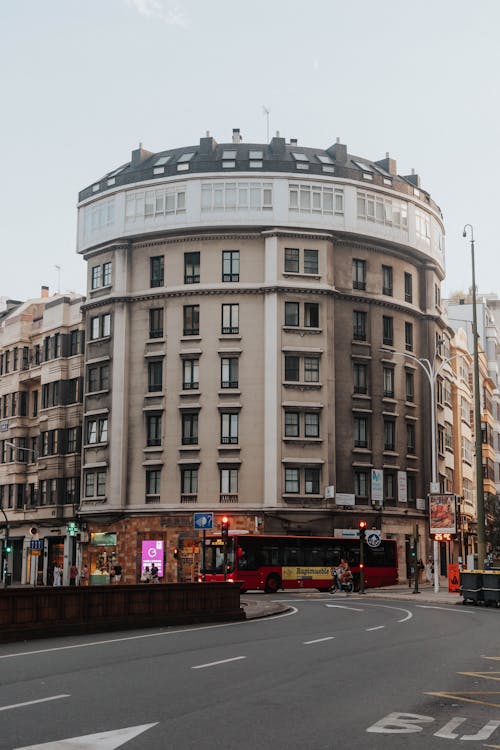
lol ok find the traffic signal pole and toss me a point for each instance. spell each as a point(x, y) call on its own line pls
point(5, 550)
point(362, 536)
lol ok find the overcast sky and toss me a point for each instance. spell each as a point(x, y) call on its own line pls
point(84, 81)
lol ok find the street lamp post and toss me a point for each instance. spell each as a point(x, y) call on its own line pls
point(431, 372)
point(481, 535)
point(4, 549)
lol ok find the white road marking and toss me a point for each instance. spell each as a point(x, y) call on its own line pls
point(30, 703)
point(293, 611)
point(379, 627)
point(102, 740)
point(215, 663)
point(318, 640)
point(446, 609)
point(341, 606)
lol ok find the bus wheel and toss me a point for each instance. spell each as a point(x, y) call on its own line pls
point(273, 583)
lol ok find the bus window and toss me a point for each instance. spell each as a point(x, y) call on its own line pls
point(292, 556)
point(268, 555)
point(313, 553)
point(246, 554)
point(333, 556)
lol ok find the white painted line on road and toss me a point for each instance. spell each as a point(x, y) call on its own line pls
point(446, 609)
point(379, 627)
point(215, 663)
point(40, 700)
point(293, 611)
point(319, 640)
point(102, 740)
point(341, 606)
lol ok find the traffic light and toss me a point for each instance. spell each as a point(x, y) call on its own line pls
point(176, 553)
point(7, 547)
point(224, 528)
point(362, 529)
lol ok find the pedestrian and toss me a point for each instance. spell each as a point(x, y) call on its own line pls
point(146, 575)
point(154, 573)
point(118, 573)
point(57, 575)
point(429, 571)
point(73, 575)
point(84, 576)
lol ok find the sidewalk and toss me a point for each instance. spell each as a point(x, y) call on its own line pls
point(426, 594)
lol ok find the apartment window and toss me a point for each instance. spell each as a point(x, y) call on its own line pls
point(311, 369)
point(70, 494)
point(97, 430)
point(35, 403)
point(387, 280)
point(292, 366)
point(292, 424)
point(292, 255)
point(95, 281)
point(359, 325)
point(230, 319)
point(229, 481)
point(360, 378)
point(72, 440)
point(411, 487)
point(156, 323)
point(292, 481)
point(189, 481)
point(230, 265)
point(229, 372)
point(312, 481)
point(311, 424)
point(389, 485)
point(190, 374)
point(191, 268)
point(291, 313)
point(409, 337)
point(100, 326)
point(155, 376)
point(408, 287)
point(311, 315)
point(153, 482)
point(358, 273)
point(437, 295)
point(229, 429)
point(57, 348)
point(74, 338)
point(389, 435)
point(153, 429)
point(97, 378)
point(191, 320)
point(360, 432)
point(95, 484)
point(410, 387)
point(311, 262)
point(106, 274)
point(388, 378)
point(157, 271)
point(361, 484)
point(439, 391)
point(410, 438)
point(190, 428)
point(387, 330)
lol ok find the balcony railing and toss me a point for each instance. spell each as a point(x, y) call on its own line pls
point(191, 497)
point(228, 497)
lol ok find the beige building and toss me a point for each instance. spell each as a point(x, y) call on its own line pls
point(41, 379)
point(254, 320)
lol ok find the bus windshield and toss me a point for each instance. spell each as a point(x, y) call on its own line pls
point(214, 556)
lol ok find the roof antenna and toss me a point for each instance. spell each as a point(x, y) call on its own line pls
point(267, 112)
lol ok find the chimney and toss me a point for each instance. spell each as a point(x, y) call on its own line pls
point(236, 135)
point(293, 141)
point(277, 145)
point(44, 292)
point(413, 178)
point(338, 152)
point(139, 155)
point(207, 145)
point(388, 164)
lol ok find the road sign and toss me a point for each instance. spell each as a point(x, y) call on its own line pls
point(203, 521)
point(373, 538)
point(36, 544)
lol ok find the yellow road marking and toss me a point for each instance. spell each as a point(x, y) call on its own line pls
point(461, 697)
point(493, 658)
point(484, 675)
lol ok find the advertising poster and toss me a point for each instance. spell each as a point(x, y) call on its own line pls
point(152, 552)
point(442, 514)
point(378, 486)
point(402, 487)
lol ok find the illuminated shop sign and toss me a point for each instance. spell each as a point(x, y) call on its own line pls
point(152, 552)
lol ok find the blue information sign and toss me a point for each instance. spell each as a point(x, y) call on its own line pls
point(203, 521)
point(36, 543)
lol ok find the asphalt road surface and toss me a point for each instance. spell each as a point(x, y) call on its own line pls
point(336, 673)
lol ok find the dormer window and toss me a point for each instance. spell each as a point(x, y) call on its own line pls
point(367, 170)
point(326, 161)
point(302, 161)
point(255, 159)
point(183, 161)
point(229, 159)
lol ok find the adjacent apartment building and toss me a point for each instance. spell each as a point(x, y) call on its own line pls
point(254, 319)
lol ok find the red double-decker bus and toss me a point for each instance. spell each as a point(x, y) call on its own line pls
point(269, 563)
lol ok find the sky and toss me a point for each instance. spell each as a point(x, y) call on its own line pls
point(84, 81)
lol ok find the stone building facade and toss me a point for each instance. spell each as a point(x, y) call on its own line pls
point(254, 318)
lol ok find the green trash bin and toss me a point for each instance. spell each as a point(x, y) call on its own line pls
point(491, 587)
point(471, 586)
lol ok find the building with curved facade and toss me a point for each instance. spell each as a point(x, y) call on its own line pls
point(253, 317)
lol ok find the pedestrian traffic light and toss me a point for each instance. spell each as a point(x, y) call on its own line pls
point(362, 529)
point(224, 528)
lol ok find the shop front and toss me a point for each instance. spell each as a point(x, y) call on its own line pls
point(102, 557)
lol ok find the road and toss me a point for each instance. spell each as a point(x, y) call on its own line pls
point(336, 672)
